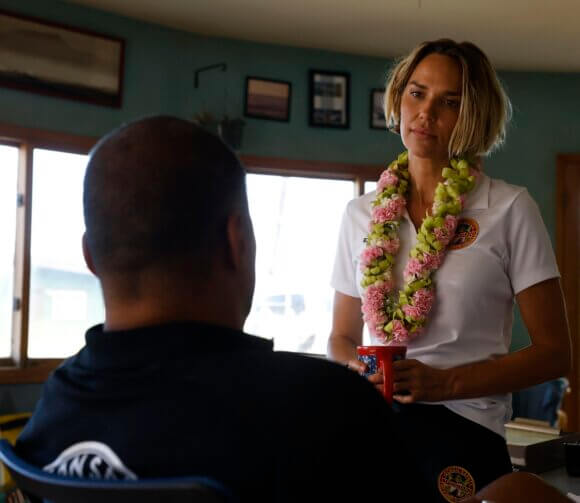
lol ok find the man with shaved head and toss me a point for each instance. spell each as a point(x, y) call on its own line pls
point(170, 385)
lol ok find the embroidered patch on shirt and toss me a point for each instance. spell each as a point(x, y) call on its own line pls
point(91, 459)
point(465, 234)
point(455, 483)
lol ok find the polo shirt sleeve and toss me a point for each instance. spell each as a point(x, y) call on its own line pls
point(343, 278)
point(530, 255)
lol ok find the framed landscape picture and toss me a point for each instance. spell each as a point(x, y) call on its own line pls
point(267, 99)
point(57, 60)
point(378, 120)
point(329, 99)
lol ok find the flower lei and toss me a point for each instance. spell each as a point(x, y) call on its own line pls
point(400, 316)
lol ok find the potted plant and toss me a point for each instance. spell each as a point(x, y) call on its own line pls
point(230, 130)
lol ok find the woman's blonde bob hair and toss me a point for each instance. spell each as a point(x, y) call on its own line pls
point(485, 108)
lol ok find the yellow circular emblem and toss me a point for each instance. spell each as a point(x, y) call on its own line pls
point(465, 234)
point(455, 483)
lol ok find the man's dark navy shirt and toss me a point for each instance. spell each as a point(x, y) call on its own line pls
point(198, 399)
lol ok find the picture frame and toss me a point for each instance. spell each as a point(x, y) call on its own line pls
point(377, 110)
point(58, 60)
point(267, 99)
point(329, 103)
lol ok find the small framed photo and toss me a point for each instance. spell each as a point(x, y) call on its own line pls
point(329, 99)
point(267, 99)
point(378, 120)
point(57, 60)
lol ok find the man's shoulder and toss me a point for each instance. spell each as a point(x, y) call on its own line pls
point(316, 365)
point(319, 375)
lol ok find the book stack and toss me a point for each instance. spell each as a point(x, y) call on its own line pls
point(536, 447)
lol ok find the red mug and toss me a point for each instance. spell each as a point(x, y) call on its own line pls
point(382, 357)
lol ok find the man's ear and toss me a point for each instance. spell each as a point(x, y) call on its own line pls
point(238, 246)
point(87, 255)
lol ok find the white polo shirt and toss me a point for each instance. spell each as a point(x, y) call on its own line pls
point(501, 248)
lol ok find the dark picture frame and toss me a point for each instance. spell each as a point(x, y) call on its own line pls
point(58, 60)
point(267, 99)
point(329, 103)
point(377, 110)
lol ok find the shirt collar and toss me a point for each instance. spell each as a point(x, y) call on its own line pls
point(479, 198)
point(164, 342)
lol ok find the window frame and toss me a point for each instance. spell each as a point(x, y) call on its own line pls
point(19, 368)
point(357, 173)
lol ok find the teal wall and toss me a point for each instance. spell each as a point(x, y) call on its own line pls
point(159, 70)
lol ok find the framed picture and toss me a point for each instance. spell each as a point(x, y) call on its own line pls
point(58, 60)
point(329, 99)
point(378, 120)
point(267, 99)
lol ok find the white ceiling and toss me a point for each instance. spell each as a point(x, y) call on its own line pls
point(516, 34)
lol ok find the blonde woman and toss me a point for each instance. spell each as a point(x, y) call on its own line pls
point(435, 259)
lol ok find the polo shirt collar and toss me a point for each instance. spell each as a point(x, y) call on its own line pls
point(162, 342)
point(479, 197)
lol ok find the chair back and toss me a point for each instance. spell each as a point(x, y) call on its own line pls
point(40, 485)
point(541, 402)
point(10, 427)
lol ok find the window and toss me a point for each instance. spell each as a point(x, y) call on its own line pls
point(296, 217)
point(369, 187)
point(48, 298)
point(8, 202)
point(65, 298)
point(40, 218)
point(296, 223)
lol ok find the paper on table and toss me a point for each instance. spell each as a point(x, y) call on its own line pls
point(527, 437)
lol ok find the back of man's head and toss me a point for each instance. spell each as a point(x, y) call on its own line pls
point(157, 190)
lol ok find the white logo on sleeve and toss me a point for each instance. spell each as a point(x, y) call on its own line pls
point(90, 460)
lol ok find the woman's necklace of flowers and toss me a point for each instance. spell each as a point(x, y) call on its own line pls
point(398, 317)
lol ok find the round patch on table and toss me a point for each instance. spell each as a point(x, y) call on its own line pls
point(465, 233)
point(455, 483)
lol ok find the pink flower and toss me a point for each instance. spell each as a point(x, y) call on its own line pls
point(421, 268)
point(445, 233)
point(374, 302)
point(391, 245)
point(382, 214)
point(413, 268)
point(373, 307)
point(432, 261)
point(476, 173)
point(423, 299)
point(421, 303)
point(387, 178)
point(400, 333)
point(412, 311)
point(442, 235)
point(462, 199)
point(391, 210)
point(450, 223)
point(369, 254)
